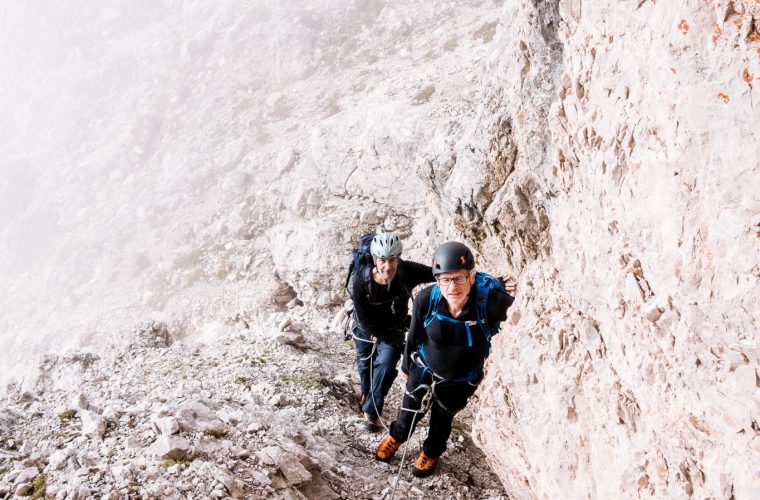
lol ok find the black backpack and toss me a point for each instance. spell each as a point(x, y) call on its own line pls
point(361, 262)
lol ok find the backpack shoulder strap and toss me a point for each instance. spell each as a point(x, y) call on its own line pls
point(367, 278)
point(481, 303)
point(348, 275)
point(435, 299)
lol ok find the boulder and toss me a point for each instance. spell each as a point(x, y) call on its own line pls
point(171, 448)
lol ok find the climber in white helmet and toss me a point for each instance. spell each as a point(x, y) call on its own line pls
point(381, 294)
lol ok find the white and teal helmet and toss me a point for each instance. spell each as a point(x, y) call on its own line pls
point(386, 245)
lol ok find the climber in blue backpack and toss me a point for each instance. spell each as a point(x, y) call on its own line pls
point(380, 286)
point(448, 342)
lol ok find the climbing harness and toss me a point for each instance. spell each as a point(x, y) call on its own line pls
point(347, 325)
point(372, 340)
point(473, 378)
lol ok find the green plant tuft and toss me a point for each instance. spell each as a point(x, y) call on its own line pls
point(39, 484)
point(217, 433)
point(169, 462)
point(67, 415)
point(308, 380)
point(263, 357)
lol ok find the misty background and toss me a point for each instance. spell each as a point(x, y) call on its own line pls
point(146, 148)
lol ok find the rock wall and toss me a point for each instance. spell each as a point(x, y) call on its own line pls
point(622, 187)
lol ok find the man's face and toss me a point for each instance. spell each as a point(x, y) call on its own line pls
point(455, 286)
point(386, 267)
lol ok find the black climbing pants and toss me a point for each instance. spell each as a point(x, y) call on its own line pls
point(450, 397)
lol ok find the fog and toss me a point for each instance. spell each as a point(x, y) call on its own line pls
point(138, 140)
point(130, 132)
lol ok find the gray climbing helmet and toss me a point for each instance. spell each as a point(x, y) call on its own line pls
point(386, 245)
point(452, 256)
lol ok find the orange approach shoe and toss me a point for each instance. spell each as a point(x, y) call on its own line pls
point(424, 466)
point(386, 450)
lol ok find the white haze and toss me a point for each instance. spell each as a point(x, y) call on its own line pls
point(138, 140)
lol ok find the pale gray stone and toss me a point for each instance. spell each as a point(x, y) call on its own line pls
point(239, 453)
point(165, 425)
point(633, 293)
point(233, 486)
point(24, 490)
point(121, 473)
point(80, 401)
point(152, 334)
point(93, 425)
point(270, 454)
point(292, 469)
point(58, 459)
point(369, 217)
point(171, 447)
point(194, 415)
point(291, 338)
point(80, 492)
point(208, 444)
point(260, 478)
point(112, 412)
point(26, 475)
point(174, 469)
point(285, 324)
point(152, 473)
point(293, 303)
point(107, 449)
point(254, 427)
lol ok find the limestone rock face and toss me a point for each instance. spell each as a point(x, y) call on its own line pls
point(622, 187)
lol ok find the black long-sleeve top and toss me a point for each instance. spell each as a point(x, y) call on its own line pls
point(381, 309)
point(446, 344)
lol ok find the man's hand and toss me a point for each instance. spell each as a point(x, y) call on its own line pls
point(510, 284)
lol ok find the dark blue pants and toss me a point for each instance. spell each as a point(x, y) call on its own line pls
point(379, 358)
point(450, 397)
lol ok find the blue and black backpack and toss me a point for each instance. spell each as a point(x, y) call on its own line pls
point(483, 285)
point(361, 262)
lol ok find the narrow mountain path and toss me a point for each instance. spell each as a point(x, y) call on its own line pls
point(271, 413)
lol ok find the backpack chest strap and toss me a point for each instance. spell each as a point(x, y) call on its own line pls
point(419, 359)
point(467, 324)
point(435, 299)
